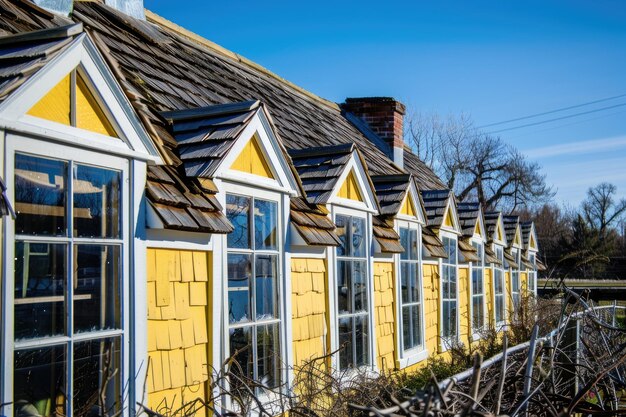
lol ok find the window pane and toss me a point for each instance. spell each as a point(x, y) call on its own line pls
point(413, 245)
point(40, 282)
point(97, 373)
point(39, 381)
point(239, 270)
point(499, 308)
point(342, 223)
point(269, 355)
point(445, 328)
point(359, 282)
point(344, 287)
point(242, 350)
point(404, 241)
point(417, 325)
point(406, 328)
point(362, 344)
point(97, 201)
point(477, 312)
point(405, 271)
point(345, 342)
point(238, 212)
point(266, 289)
point(414, 291)
point(453, 313)
point(97, 291)
point(40, 196)
point(265, 225)
point(358, 237)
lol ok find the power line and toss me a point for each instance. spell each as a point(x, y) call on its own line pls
point(557, 118)
point(552, 111)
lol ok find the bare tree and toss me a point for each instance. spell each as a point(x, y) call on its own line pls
point(600, 209)
point(476, 165)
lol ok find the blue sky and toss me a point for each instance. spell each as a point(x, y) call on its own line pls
point(495, 60)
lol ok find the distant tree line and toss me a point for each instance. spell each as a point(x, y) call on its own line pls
point(588, 241)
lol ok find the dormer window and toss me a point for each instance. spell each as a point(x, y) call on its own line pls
point(449, 298)
point(498, 287)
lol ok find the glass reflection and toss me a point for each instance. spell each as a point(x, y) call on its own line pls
point(39, 297)
point(238, 213)
point(97, 387)
point(268, 351)
point(97, 288)
point(265, 237)
point(39, 382)
point(266, 270)
point(242, 350)
point(40, 196)
point(97, 199)
point(239, 271)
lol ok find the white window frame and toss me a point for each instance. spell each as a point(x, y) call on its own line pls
point(474, 331)
point(22, 143)
point(499, 324)
point(408, 357)
point(442, 340)
point(332, 279)
point(515, 275)
point(284, 290)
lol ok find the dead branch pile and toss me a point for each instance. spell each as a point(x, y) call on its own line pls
point(577, 369)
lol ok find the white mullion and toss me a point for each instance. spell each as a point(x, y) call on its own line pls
point(42, 342)
point(70, 289)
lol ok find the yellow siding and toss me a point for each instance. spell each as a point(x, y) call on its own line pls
point(252, 160)
point(478, 230)
point(431, 306)
point(55, 105)
point(178, 327)
point(447, 221)
point(350, 188)
point(464, 306)
point(89, 115)
point(384, 314)
point(308, 295)
point(408, 208)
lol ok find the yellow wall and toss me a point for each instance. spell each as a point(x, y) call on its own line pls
point(55, 106)
point(309, 303)
point(350, 188)
point(384, 315)
point(252, 160)
point(178, 327)
point(430, 283)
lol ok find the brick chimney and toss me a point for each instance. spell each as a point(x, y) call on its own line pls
point(385, 116)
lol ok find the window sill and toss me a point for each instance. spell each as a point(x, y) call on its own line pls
point(412, 359)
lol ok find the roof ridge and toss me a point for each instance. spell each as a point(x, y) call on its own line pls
point(155, 18)
point(210, 111)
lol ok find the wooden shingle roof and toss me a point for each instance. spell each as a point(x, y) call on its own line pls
point(391, 191)
point(468, 216)
point(313, 224)
point(22, 55)
point(491, 223)
point(435, 203)
point(510, 227)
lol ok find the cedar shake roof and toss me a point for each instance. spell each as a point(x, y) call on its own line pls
point(390, 191)
point(22, 55)
point(319, 169)
point(312, 223)
point(526, 229)
point(185, 205)
point(205, 135)
point(424, 176)
point(386, 236)
point(491, 223)
point(169, 74)
point(432, 243)
point(468, 217)
point(510, 227)
point(435, 203)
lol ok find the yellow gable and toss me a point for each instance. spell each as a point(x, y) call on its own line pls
point(478, 230)
point(517, 240)
point(532, 243)
point(408, 208)
point(57, 106)
point(252, 161)
point(499, 232)
point(350, 188)
point(447, 221)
